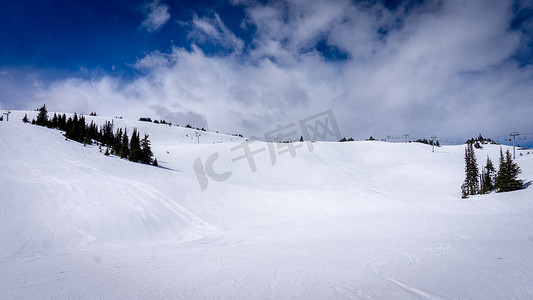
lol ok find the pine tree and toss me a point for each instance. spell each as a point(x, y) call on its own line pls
point(146, 151)
point(62, 122)
point(53, 123)
point(464, 191)
point(81, 129)
point(487, 177)
point(482, 190)
point(506, 179)
point(471, 183)
point(117, 145)
point(500, 176)
point(124, 149)
point(92, 131)
point(25, 119)
point(514, 170)
point(70, 132)
point(155, 162)
point(42, 117)
point(135, 147)
point(119, 136)
point(106, 133)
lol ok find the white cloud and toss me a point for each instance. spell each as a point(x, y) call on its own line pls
point(443, 68)
point(156, 16)
point(213, 30)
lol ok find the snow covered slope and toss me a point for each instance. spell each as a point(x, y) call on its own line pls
point(337, 220)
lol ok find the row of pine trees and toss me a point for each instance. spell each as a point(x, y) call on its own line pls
point(118, 143)
point(503, 180)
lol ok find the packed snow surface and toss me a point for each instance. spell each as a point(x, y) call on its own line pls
point(361, 220)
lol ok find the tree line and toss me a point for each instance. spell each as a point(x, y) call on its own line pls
point(503, 180)
point(480, 141)
point(118, 143)
point(428, 142)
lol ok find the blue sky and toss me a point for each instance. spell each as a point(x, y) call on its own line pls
point(450, 68)
point(106, 35)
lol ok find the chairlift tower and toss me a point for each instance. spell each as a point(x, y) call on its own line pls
point(514, 134)
point(433, 142)
point(7, 115)
point(198, 136)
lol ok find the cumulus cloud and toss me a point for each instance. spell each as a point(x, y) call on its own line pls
point(445, 68)
point(178, 117)
point(213, 31)
point(156, 15)
point(18, 86)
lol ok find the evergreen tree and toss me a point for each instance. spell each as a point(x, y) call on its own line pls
point(118, 136)
point(92, 131)
point(117, 145)
point(482, 189)
point(471, 183)
point(135, 147)
point(106, 133)
point(514, 170)
point(82, 128)
point(487, 177)
point(54, 122)
point(155, 162)
point(124, 149)
point(42, 117)
point(72, 127)
point(87, 139)
point(500, 176)
point(62, 122)
point(25, 119)
point(146, 151)
point(506, 180)
point(135, 155)
point(464, 191)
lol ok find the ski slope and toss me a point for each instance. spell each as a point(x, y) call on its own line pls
point(353, 220)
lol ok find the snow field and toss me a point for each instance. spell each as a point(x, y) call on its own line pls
point(346, 220)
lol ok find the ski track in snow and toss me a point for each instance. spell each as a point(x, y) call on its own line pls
point(414, 290)
point(363, 220)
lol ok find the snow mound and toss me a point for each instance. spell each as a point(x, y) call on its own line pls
point(58, 193)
